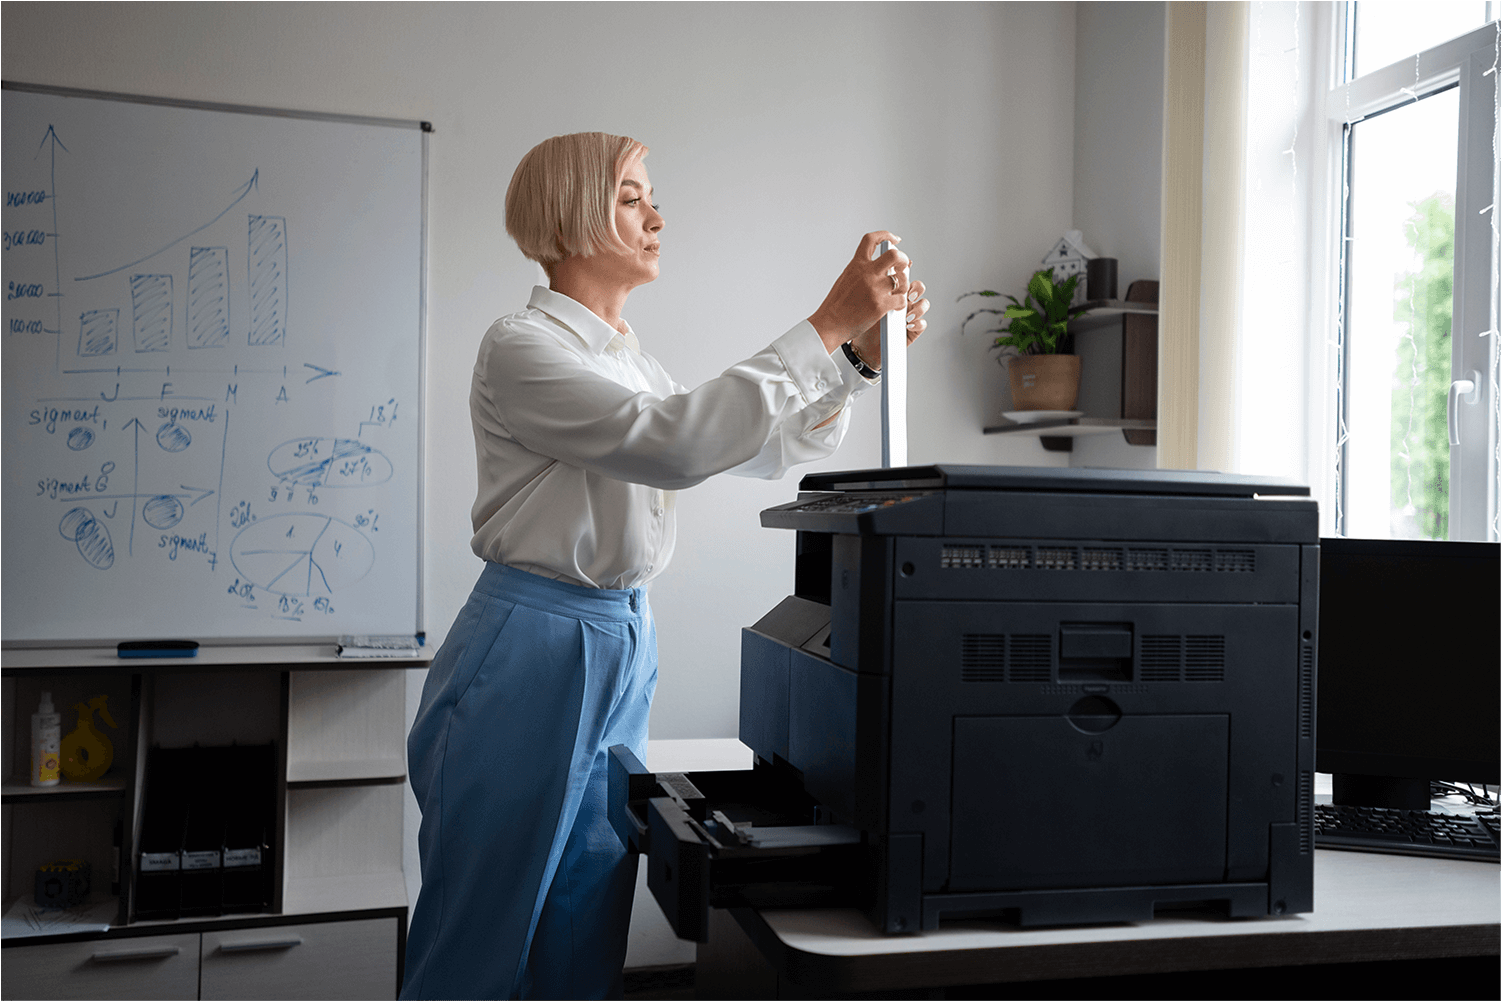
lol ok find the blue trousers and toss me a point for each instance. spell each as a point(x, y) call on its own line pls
point(526, 890)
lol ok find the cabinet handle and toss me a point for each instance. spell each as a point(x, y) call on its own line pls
point(261, 945)
point(146, 952)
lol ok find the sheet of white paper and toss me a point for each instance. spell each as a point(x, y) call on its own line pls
point(25, 919)
point(893, 384)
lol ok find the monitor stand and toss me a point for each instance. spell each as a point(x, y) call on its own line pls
point(1381, 790)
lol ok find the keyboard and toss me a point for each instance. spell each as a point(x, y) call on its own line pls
point(1406, 832)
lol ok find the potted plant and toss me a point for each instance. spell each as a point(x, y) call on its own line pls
point(1043, 370)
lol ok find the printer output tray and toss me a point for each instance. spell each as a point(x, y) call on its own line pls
point(744, 838)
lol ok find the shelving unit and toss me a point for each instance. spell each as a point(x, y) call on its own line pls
point(1137, 321)
point(337, 924)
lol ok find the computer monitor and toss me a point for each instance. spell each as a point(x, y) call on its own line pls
point(1409, 671)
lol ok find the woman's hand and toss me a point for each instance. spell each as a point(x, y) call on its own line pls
point(868, 345)
point(868, 289)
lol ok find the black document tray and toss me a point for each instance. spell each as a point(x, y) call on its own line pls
point(744, 838)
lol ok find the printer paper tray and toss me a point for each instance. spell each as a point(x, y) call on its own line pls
point(732, 839)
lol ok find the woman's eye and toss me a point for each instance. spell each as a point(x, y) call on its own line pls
point(633, 202)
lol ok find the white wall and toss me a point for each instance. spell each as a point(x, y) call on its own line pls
point(780, 134)
point(1117, 188)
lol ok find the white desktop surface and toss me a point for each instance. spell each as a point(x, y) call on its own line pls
point(1352, 891)
point(1367, 907)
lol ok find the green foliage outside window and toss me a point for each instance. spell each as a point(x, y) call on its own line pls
point(1420, 378)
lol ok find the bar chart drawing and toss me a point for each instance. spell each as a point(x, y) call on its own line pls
point(268, 280)
point(302, 555)
point(151, 311)
point(208, 297)
point(98, 332)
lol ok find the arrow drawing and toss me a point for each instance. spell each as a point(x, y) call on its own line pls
point(242, 192)
point(57, 271)
point(135, 485)
point(323, 373)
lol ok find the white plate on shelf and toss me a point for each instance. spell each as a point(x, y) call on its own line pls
point(1033, 416)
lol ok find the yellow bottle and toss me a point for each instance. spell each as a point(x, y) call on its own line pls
point(87, 753)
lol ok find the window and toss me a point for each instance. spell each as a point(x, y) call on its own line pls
point(1416, 382)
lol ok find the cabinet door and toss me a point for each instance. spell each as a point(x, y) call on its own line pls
point(334, 959)
point(158, 966)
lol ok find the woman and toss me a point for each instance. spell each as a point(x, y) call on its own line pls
point(581, 440)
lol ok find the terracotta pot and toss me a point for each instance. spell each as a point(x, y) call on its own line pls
point(1044, 382)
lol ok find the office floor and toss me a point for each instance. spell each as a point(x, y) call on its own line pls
point(659, 983)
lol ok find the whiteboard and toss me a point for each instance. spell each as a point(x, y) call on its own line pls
point(212, 372)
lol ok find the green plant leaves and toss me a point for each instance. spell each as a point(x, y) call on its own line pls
point(1040, 328)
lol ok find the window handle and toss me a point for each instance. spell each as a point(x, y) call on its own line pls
point(1469, 389)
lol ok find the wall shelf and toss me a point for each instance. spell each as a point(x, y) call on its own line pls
point(1136, 318)
point(1105, 312)
point(24, 792)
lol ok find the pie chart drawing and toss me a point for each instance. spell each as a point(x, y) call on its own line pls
point(301, 555)
point(328, 462)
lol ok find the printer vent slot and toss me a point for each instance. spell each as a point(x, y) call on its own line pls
point(1056, 558)
point(983, 657)
point(1010, 558)
point(1161, 658)
point(1204, 658)
point(1305, 693)
point(1031, 658)
point(1303, 811)
point(1193, 559)
point(1103, 559)
point(1235, 560)
point(962, 557)
point(998, 657)
point(1146, 559)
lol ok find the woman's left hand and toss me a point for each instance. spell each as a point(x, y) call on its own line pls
point(868, 344)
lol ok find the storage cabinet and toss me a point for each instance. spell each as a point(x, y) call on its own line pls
point(337, 923)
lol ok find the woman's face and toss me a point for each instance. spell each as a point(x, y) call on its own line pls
point(640, 225)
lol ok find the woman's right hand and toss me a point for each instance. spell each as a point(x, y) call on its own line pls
point(866, 290)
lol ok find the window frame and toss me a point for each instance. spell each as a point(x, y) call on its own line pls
point(1465, 62)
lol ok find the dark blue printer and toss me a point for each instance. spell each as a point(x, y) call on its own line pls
point(1054, 696)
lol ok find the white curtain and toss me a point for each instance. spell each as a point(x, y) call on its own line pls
point(1245, 166)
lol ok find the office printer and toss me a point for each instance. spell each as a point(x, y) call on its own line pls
point(1052, 696)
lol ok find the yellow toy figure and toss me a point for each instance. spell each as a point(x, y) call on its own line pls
point(87, 753)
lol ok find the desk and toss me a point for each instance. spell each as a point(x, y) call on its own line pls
point(1367, 908)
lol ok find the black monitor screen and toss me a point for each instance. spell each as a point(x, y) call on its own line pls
point(1409, 672)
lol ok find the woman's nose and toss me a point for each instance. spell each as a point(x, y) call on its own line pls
point(654, 221)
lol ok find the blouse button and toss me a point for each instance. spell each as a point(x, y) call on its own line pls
point(821, 384)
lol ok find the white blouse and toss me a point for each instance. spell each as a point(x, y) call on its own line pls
point(582, 438)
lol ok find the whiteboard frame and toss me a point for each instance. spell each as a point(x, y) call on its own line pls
point(426, 129)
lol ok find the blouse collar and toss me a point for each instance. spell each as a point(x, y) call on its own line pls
point(597, 335)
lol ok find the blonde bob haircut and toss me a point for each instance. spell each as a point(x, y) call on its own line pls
point(561, 200)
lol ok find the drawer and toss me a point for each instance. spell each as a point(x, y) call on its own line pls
point(157, 966)
point(332, 959)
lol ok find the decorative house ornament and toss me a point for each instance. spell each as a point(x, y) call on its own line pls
point(1069, 257)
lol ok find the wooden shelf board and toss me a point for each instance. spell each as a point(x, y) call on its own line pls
point(346, 771)
point(1070, 428)
point(22, 792)
point(1105, 313)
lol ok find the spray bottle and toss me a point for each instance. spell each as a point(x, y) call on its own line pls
point(46, 738)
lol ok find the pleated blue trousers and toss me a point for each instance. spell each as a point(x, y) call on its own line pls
point(526, 890)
